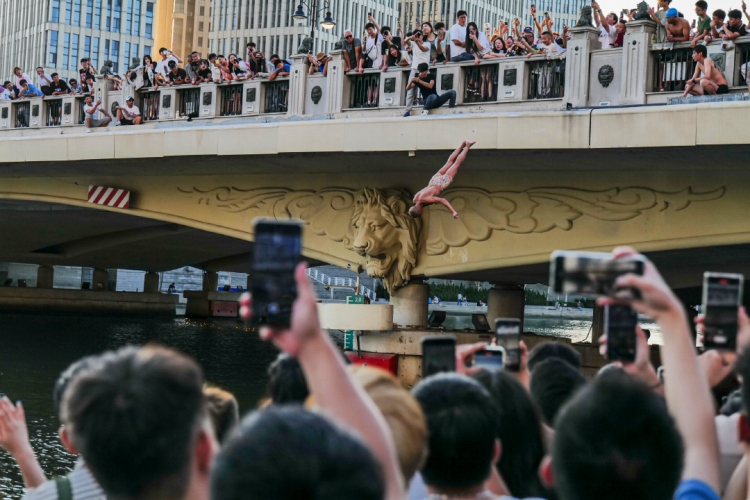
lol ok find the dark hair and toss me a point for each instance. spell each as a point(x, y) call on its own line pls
point(734, 14)
point(369, 25)
point(460, 13)
point(422, 67)
point(461, 424)
point(547, 350)
point(6, 82)
point(290, 453)
point(135, 416)
point(72, 80)
point(385, 29)
point(720, 14)
point(22, 82)
point(53, 75)
point(616, 440)
point(547, 33)
point(143, 61)
point(250, 44)
point(519, 428)
point(172, 64)
point(162, 49)
point(439, 25)
point(505, 47)
point(393, 60)
point(211, 56)
point(67, 375)
point(222, 409)
point(702, 4)
point(286, 381)
point(701, 49)
point(428, 24)
point(553, 383)
point(470, 45)
point(85, 59)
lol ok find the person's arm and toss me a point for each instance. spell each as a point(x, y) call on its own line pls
point(737, 487)
point(714, 31)
point(537, 25)
point(687, 392)
point(348, 62)
point(655, 18)
point(273, 74)
point(729, 35)
point(336, 392)
point(179, 61)
point(373, 21)
point(14, 438)
point(427, 85)
point(708, 68)
point(423, 48)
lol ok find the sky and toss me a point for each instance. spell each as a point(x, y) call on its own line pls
point(687, 7)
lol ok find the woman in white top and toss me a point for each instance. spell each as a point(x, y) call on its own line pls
point(498, 49)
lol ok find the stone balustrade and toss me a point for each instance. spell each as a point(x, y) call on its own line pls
point(638, 73)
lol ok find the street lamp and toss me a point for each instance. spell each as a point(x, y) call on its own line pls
point(327, 23)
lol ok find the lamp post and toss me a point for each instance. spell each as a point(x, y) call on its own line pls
point(327, 23)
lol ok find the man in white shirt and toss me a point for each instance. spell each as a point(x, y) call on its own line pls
point(371, 54)
point(458, 38)
point(43, 81)
point(93, 112)
point(420, 50)
point(129, 114)
point(6, 92)
point(606, 25)
point(166, 56)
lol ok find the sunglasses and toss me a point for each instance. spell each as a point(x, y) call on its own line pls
point(348, 37)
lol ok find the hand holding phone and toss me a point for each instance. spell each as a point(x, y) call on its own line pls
point(594, 273)
point(508, 336)
point(722, 296)
point(620, 324)
point(491, 358)
point(438, 354)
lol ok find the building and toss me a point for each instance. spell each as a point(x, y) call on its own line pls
point(563, 12)
point(183, 26)
point(56, 34)
point(270, 25)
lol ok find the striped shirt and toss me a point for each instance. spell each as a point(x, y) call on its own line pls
point(82, 483)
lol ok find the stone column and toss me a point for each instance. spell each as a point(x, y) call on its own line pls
point(335, 83)
point(298, 85)
point(597, 325)
point(578, 59)
point(151, 282)
point(505, 301)
point(99, 280)
point(45, 277)
point(410, 305)
point(210, 281)
point(637, 68)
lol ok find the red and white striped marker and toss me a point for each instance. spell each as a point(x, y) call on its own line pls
point(111, 197)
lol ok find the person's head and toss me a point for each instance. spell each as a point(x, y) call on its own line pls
point(8, 85)
point(402, 413)
point(519, 429)
point(348, 36)
point(195, 57)
point(700, 52)
point(612, 18)
point(280, 65)
point(286, 381)
point(88, 99)
point(415, 211)
point(546, 350)
point(427, 28)
point(616, 440)
point(275, 59)
point(164, 52)
point(223, 411)
point(553, 383)
point(85, 62)
point(735, 18)
point(146, 61)
point(233, 58)
point(547, 38)
point(621, 28)
point(701, 6)
point(472, 29)
point(72, 83)
point(664, 4)
point(212, 57)
point(288, 453)
point(461, 425)
point(673, 16)
point(461, 17)
point(718, 16)
point(371, 31)
point(90, 81)
point(55, 77)
point(130, 101)
point(528, 35)
point(39, 70)
point(139, 418)
point(23, 83)
point(203, 65)
point(439, 26)
point(509, 42)
point(250, 48)
point(172, 67)
point(394, 52)
point(498, 46)
point(17, 71)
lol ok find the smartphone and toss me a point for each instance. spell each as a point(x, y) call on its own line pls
point(276, 254)
point(722, 295)
point(743, 429)
point(490, 358)
point(593, 273)
point(438, 354)
point(508, 336)
point(620, 322)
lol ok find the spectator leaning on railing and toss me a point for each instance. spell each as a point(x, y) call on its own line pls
point(58, 86)
point(6, 92)
point(352, 49)
point(29, 90)
point(458, 38)
point(43, 81)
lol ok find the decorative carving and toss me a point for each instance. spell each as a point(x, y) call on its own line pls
point(586, 20)
point(446, 82)
point(316, 94)
point(509, 77)
point(720, 59)
point(339, 45)
point(113, 108)
point(67, 108)
point(539, 210)
point(166, 101)
point(372, 222)
point(306, 46)
point(390, 85)
point(250, 97)
point(207, 98)
point(107, 68)
point(643, 12)
point(35, 110)
point(606, 75)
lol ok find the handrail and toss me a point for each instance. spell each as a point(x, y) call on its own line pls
point(336, 281)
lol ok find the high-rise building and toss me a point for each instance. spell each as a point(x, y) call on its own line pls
point(183, 26)
point(56, 34)
point(563, 12)
point(270, 25)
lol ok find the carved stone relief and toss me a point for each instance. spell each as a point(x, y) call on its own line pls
point(207, 98)
point(509, 77)
point(390, 85)
point(250, 95)
point(446, 82)
point(720, 59)
point(606, 75)
point(316, 94)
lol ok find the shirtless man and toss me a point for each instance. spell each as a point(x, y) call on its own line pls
point(678, 28)
point(440, 182)
point(712, 81)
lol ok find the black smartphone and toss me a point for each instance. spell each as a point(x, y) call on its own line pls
point(491, 358)
point(438, 354)
point(508, 336)
point(276, 253)
point(722, 296)
point(620, 322)
point(593, 273)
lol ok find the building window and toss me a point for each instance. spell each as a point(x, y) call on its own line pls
point(66, 50)
point(149, 20)
point(55, 11)
point(146, 50)
point(89, 12)
point(73, 52)
point(77, 13)
point(98, 14)
point(202, 11)
point(200, 26)
point(116, 20)
point(94, 55)
point(125, 57)
point(179, 6)
point(52, 61)
point(200, 41)
point(115, 53)
point(87, 46)
point(109, 14)
point(137, 24)
point(68, 9)
point(129, 17)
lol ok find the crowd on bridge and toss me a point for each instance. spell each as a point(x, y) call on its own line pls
point(145, 425)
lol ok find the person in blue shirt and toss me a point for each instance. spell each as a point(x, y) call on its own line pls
point(282, 69)
point(29, 90)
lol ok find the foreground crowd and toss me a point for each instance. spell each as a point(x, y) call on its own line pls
point(146, 426)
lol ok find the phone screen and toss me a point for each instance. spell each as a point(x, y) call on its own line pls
point(508, 336)
point(438, 355)
point(592, 273)
point(620, 324)
point(722, 294)
point(490, 358)
point(276, 254)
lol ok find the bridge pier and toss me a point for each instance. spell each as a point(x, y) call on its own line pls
point(151, 282)
point(99, 280)
point(45, 277)
point(210, 281)
point(505, 301)
point(410, 305)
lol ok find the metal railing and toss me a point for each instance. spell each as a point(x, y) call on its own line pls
point(80, 104)
point(744, 62)
point(546, 79)
point(190, 102)
point(23, 114)
point(277, 96)
point(672, 68)
point(231, 100)
point(326, 280)
point(481, 84)
point(365, 90)
point(150, 105)
point(53, 112)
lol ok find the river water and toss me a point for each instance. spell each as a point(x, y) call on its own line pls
point(36, 348)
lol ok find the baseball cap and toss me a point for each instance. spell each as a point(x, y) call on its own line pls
point(528, 29)
point(672, 13)
point(129, 99)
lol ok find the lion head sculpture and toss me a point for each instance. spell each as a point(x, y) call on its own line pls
point(386, 235)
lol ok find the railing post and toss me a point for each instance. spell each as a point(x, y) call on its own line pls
point(637, 65)
point(337, 90)
point(578, 59)
point(252, 97)
point(393, 88)
point(209, 103)
point(69, 111)
point(297, 84)
point(6, 109)
point(167, 103)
